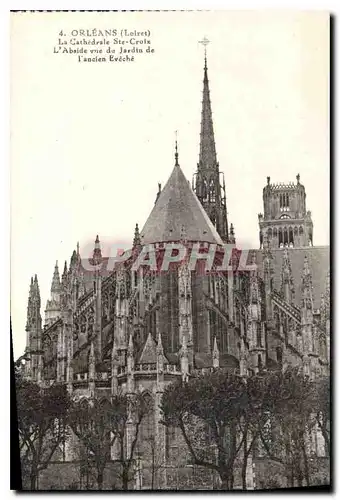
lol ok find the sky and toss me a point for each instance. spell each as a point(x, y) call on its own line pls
point(91, 141)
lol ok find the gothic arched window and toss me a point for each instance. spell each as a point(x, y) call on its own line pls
point(146, 436)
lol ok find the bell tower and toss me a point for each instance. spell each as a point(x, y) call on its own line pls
point(208, 181)
point(285, 220)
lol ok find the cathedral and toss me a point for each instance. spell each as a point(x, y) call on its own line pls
point(137, 329)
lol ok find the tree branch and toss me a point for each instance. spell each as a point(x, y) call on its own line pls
point(197, 461)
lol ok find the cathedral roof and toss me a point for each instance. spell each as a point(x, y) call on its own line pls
point(318, 259)
point(178, 214)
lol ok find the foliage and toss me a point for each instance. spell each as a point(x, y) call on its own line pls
point(131, 411)
point(101, 423)
point(234, 414)
point(290, 422)
point(92, 422)
point(214, 403)
point(42, 420)
point(321, 406)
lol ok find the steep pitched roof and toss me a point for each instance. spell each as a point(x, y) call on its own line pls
point(178, 212)
point(318, 259)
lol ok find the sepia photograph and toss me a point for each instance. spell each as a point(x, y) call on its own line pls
point(170, 250)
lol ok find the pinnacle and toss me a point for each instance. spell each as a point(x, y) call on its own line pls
point(160, 344)
point(64, 276)
point(56, 279)
point(136, 239)
point(97, 254)
point(130, 346)
point(215, 345)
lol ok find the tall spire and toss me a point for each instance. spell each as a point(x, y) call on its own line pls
point(207, 157)
point(209, 184)
point(29, 304)
point(36, 291)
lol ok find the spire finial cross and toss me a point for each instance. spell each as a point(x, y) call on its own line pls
point(205, 42)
